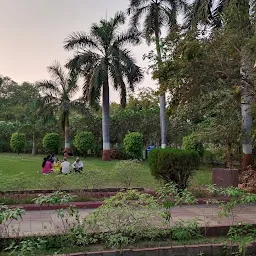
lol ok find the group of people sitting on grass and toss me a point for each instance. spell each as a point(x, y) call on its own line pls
point(52, 164)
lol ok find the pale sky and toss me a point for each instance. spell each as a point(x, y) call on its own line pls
point(32, 34)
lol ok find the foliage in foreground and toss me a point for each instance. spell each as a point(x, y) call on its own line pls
point(173, 165)
point(130, 217)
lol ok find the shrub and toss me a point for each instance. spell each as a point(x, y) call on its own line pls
point(17, 142)
point(133, 144)
point(84, 142)
point(51, 142)
point(126, 171)
point(6, 130)
point(173, 165)
point(118, 153)
point(191, 142)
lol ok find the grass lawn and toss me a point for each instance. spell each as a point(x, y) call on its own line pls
point(20, 172)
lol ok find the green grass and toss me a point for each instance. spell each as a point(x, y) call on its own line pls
point(20, 172)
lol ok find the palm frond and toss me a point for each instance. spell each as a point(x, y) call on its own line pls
point(50, 100)
point(72, 83)
point(199, 11)
point(58, 74)
point(47, 86)
point(134, 21)
point(78, 40)
point(119, 19)
point(132, 36)
point(82, 60)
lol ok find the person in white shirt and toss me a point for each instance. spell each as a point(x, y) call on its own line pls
point(78, 165)
point(65, 166)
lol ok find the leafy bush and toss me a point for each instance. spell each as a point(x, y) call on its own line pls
point(186, 230)
point(51, 142)
point(6, 130)
point(118, 153)
point(126, 171)
point(173, 165)
point(191, 142)
point(128, 215)
point(84, 142)
point(17, 142)
point(133, 144)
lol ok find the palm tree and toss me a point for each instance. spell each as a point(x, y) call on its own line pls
point(157, 14)
point(102, 56)
point(37, 114)
point(58, 94)
point(237, 17)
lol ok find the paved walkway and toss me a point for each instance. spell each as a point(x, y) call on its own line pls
point(47, 221)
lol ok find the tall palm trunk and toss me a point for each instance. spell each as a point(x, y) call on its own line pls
point(33, 145)
point(106, 156)
point(162, 96)
point(246, 102)
point(67, 134)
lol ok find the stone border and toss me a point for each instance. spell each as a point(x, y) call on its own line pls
point(79, 205)
point(89, 204)
point(188, 250)
point(48, 191)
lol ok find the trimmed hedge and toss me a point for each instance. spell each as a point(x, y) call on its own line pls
point(51, 142)
point(173, 165)
point(17, 142)
point(84, 141)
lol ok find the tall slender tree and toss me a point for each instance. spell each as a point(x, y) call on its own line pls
point(237, 18)
point(157, 15)
point(58, 94)
point(102, 57)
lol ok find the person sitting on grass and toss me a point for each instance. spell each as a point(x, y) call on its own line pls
point(65, 166)
point(56, 166)
point(78, 165)
point(46, 166)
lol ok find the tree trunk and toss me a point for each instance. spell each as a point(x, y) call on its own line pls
point(106, 155)
point(162, 96)
point(246, 102)
point(33, 145)
point(67, 134)
point(229, 156)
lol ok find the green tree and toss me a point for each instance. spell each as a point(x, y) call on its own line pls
point(237, 18)
point(158, 14)
point(17, 142)
point(192, 142)
point(203, 77)
point(58, 93)
point(103, 56)
point(84, 141)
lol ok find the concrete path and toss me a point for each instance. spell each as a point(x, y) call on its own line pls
point(47, 222)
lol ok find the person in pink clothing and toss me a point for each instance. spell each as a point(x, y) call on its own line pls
point(46, 166)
